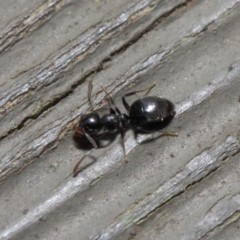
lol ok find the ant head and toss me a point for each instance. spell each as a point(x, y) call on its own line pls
point(91, 123)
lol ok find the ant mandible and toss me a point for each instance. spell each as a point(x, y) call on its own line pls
point(147, 114)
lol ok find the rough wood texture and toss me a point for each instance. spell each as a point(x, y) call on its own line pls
point(184, 188)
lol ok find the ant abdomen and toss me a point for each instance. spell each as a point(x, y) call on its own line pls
point(151, 113)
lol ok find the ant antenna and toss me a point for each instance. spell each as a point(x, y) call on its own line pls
point(89, 95)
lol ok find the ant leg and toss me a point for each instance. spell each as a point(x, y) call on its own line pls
point(126, 105)
point(111, 102)
point(171, 134)
point(112, 111)
point(89, 95)
point(148, 89)
point(122, 132)
point(75, 169)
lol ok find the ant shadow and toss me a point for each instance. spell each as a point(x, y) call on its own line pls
point(82, 143)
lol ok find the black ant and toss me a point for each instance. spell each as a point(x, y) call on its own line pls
point(148, 114)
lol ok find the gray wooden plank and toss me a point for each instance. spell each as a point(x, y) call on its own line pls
point(171, 188)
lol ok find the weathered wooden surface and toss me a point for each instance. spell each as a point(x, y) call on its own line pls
point(171, 188)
